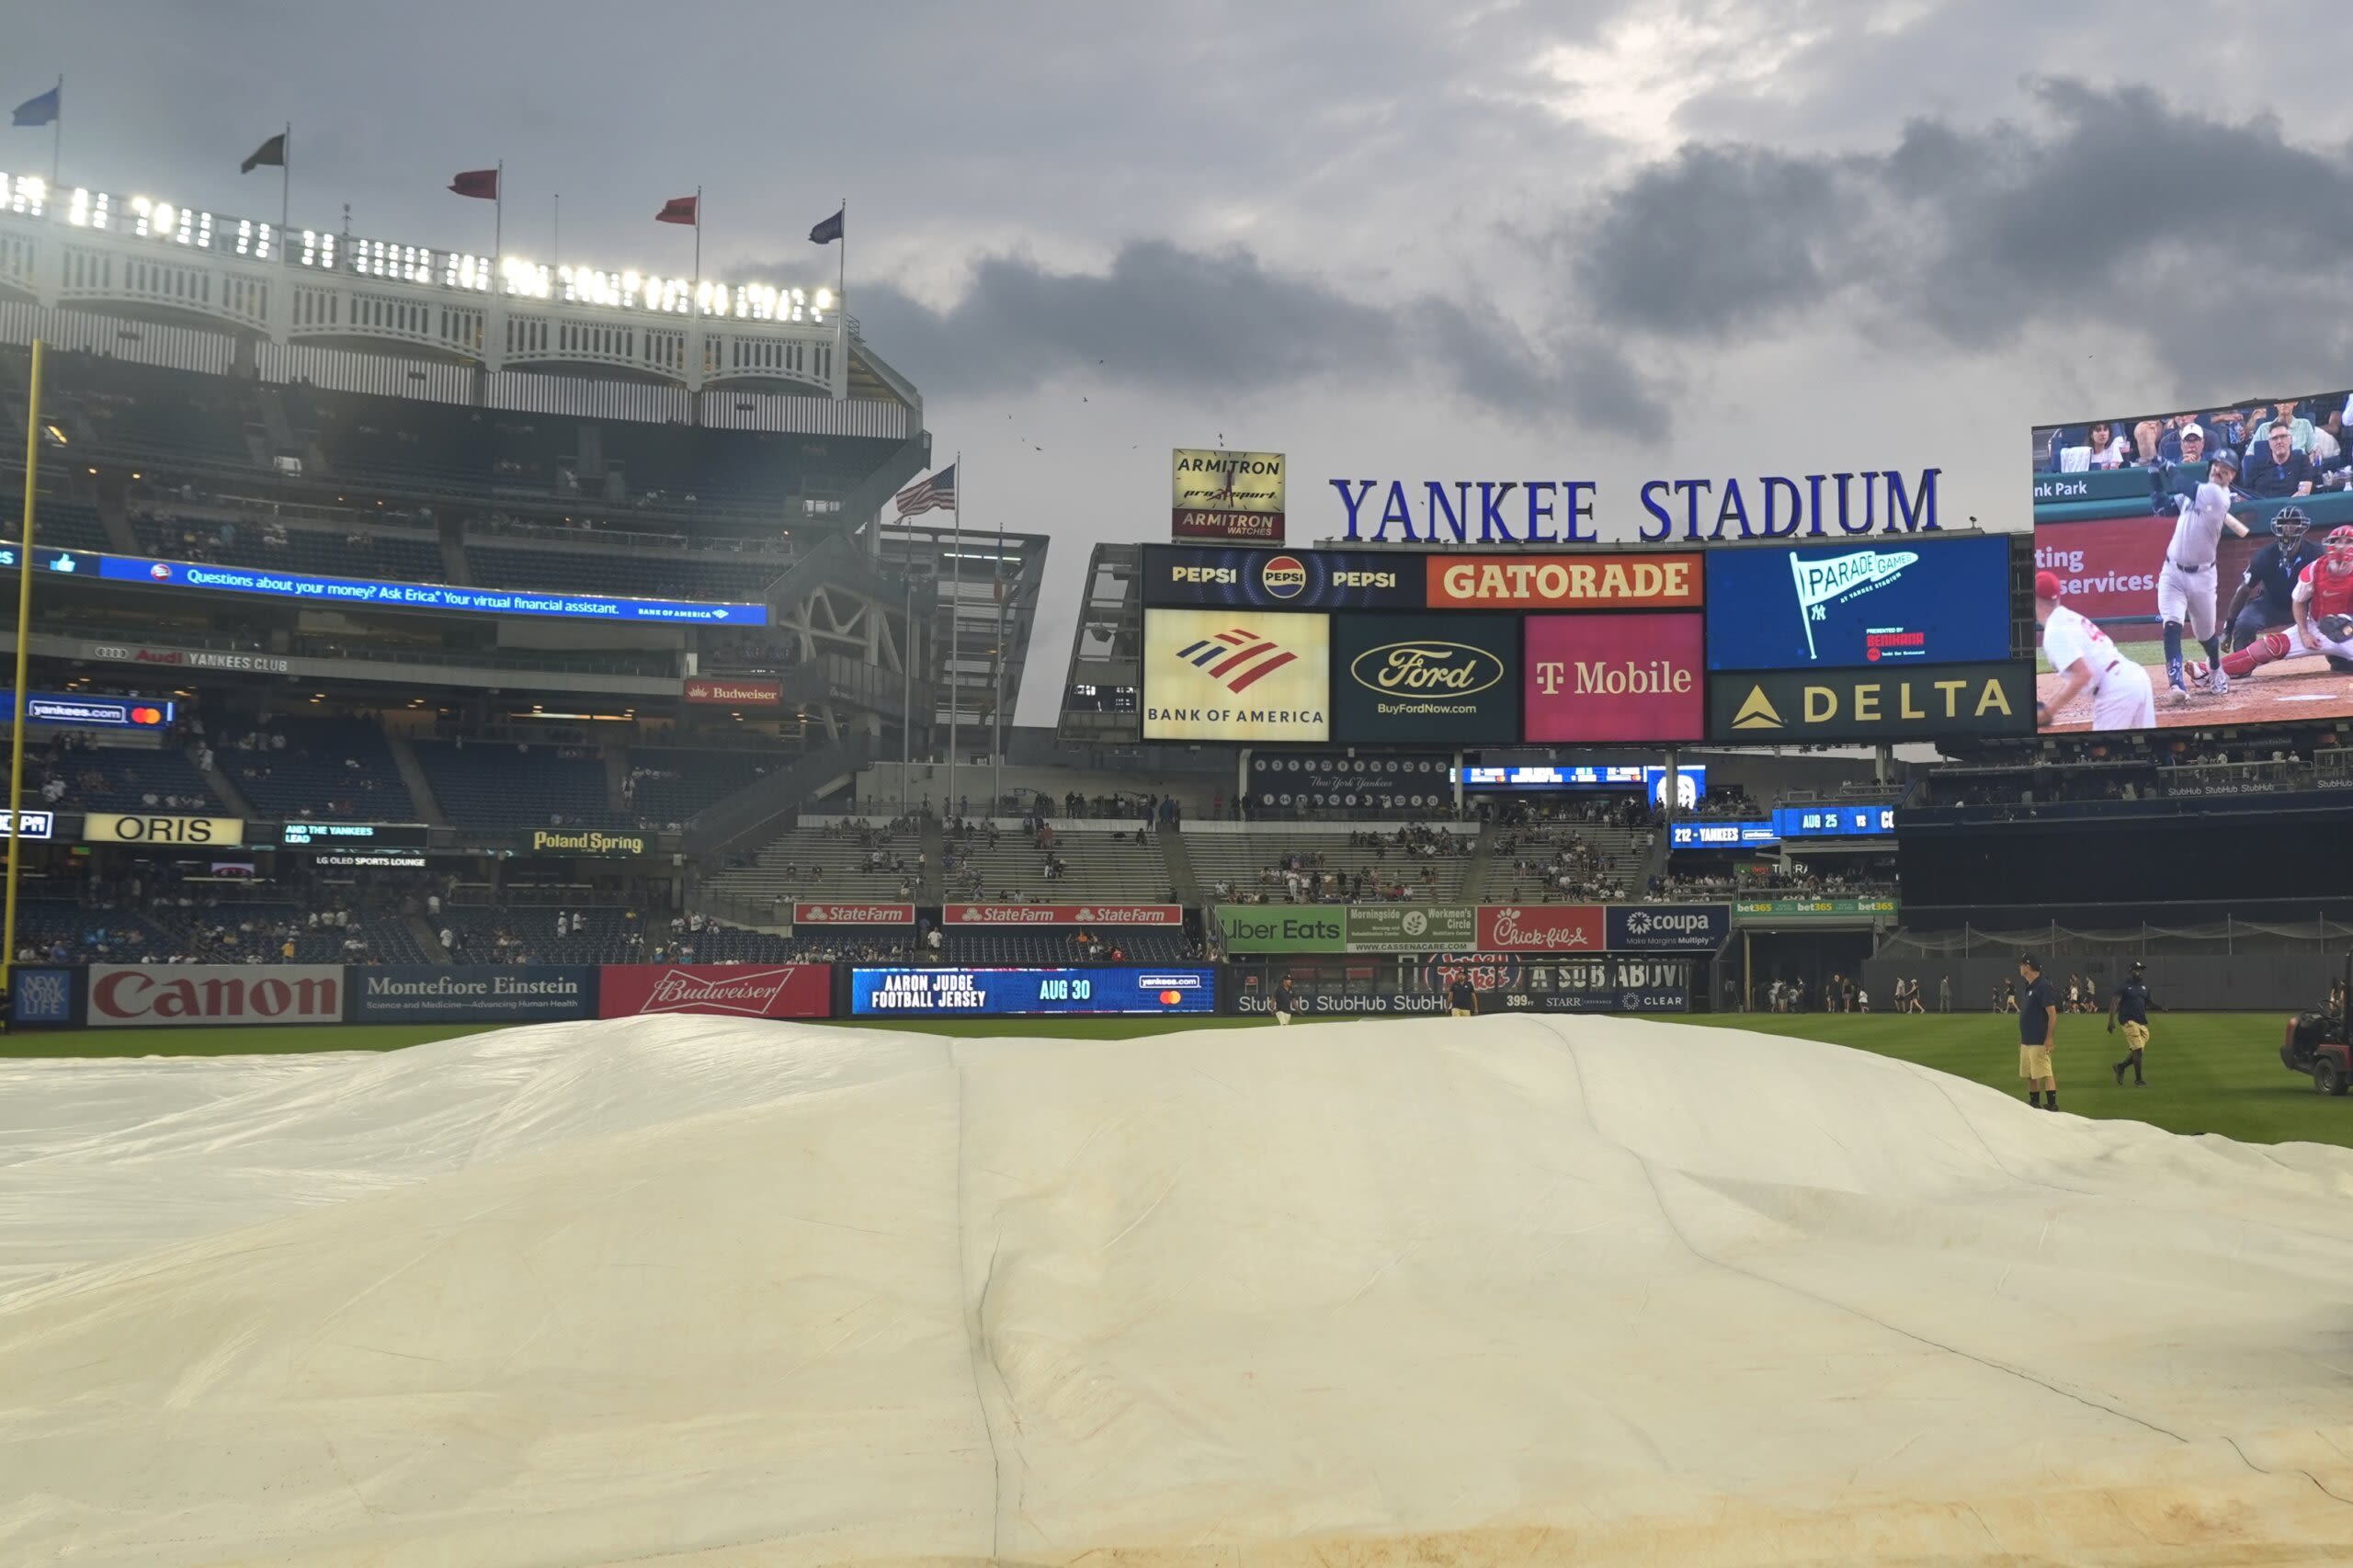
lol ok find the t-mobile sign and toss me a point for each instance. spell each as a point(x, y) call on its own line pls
point(1615, 677)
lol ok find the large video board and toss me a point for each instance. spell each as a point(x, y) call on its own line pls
point(1913, 600)
point(1799, 641)
point(2154, 533)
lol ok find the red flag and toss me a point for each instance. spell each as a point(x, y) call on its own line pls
point(679, 209)
point(481, 183)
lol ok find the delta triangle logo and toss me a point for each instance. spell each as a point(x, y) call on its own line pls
point(1758, 712)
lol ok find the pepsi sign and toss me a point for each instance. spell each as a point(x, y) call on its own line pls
point(1178, 576)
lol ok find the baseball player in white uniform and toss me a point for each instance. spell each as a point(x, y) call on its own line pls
point(2122, 697)
point(2185, 585)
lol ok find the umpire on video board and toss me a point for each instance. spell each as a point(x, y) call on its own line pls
point(2037, 1030)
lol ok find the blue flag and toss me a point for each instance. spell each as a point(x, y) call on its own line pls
point(829, 231)
point(42, 110)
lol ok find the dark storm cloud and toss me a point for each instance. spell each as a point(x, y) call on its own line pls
point(1189, 321)
point(2217, 240)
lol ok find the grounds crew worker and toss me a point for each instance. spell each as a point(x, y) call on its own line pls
point(2130, 1008)
point(1462, 997)
point(1282, 1000)
point(2037, 1025)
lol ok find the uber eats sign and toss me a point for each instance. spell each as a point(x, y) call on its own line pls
point(1872, 703)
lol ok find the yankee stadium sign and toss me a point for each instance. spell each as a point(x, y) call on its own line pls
point(1548, 511)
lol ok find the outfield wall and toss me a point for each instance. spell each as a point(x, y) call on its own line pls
point(275, 995)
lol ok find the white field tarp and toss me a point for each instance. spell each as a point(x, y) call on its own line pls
point(710, 1292)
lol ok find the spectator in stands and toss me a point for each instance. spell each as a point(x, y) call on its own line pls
point(2106, 448)
point(2280, 471)
point(2284, 415)
point(2147, 438)
point(2187, 445)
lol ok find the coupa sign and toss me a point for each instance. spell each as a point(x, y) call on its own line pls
point(1672, 927)
point(168, 994)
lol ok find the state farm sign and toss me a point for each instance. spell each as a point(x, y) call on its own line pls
point(734, 693)
point(853, 914)
point(150, 994)
point(1063, 914)
point(1540, 927)
point(734, 990)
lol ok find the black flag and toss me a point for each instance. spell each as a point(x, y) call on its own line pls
point(271, 153)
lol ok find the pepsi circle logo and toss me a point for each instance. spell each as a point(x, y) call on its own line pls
point(1283, 576)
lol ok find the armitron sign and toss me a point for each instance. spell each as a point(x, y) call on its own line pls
point(145, 995)
point(112, 827)
point(1235, 496)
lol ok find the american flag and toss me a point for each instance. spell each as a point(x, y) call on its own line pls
point(937, 493)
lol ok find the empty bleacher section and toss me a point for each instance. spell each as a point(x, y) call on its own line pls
point(737, 579)
point(829, 858)
point(1330, 863)
point(501, 784)
point(1067, 862)
point(666, 786)
point(58, 523)
point(69, 773)
point(507, 933)
point(144, 413)
point(1565, 862)
point(269, 543)
point(329, 768)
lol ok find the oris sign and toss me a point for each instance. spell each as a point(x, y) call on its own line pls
point(146, 995)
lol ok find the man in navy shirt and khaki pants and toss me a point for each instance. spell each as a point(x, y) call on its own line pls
point(2037, 1025)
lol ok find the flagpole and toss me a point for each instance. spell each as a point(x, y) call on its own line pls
point(555, 243)
point(285, 179)
point(24, 638)
point(498, 218)
point(955, 604)
point(841, 302)
point(698, 242)
point(56, 153)
point(997, 575)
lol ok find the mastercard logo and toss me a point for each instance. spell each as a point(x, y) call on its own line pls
point(1284, 576)
point(146, 715)
point(1170, 998)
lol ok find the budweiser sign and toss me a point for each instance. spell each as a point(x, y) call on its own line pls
point(1063, 914)
point(734, 693)
point(1540, 929)
point(148, 994)
point(733, 990)
point(853, 914)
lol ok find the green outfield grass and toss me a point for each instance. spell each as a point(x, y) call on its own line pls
point(2208, 1072)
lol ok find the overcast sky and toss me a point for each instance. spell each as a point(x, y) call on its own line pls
point(1480, 241)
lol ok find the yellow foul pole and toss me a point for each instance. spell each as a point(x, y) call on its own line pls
point(24, 646)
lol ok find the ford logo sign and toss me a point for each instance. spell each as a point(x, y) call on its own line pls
point(1426, 668)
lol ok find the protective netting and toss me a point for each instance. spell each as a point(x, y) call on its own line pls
point(2216, 939)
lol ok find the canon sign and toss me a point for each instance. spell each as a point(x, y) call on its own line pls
point(1683, 928)
point(149, 994)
